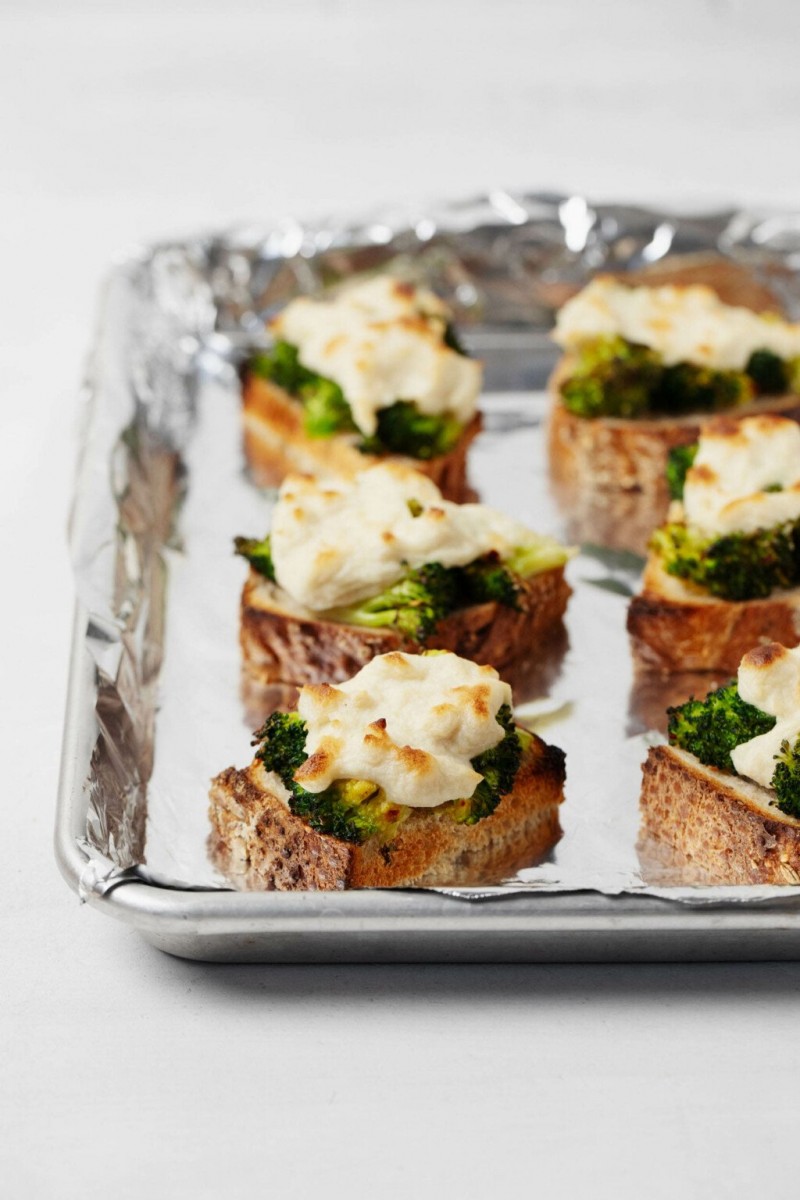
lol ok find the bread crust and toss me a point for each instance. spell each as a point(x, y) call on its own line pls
point(284, 644)
point(276, 444)
point(717, 820)
point(258, 844)
point(676, 626)
point(608, 473)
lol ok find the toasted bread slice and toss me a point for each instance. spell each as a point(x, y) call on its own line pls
point(259, 844)
point(676, 626)
point(275, 443)
point(608, 473)
point(719, 821)
point(283, 643)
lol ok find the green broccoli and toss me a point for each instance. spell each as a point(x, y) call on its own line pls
point(786, 779)
point(611, 378)
point(709, 729)
point(541, 554)
point(350, 809)
point(499, 767)
point(679, 460)
point(258, 554)
point(488, 578)
point(685, 388)
point(414, 605)
point(769, 373)
point(737, 566)
point(403, 429)
point(325, 410)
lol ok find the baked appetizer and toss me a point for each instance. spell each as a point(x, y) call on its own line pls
point(411, 772)
point(724, 573)
point(376, 370)
point(382, 562)
point(725, 793)
point(642, 368)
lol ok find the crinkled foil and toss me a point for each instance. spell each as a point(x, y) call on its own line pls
point(162, 491)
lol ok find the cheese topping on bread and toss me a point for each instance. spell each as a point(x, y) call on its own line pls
point(682, 324)
point(408, 722)
point(769, 678)
point(335, 543)
point(736, 461)
point(382, 340)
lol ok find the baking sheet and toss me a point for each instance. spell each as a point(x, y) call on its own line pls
point(162, 492)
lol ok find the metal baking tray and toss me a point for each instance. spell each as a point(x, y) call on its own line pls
point(153, 706)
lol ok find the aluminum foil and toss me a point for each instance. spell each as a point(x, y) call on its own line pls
point(162, 491)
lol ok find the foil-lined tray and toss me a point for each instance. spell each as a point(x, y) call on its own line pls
point(155, 707)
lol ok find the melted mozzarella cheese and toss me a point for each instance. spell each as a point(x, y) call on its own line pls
point(409, 723)
point(735, 462)
point(336, 543)
point(769, 678)
point(682, 324)
point(382, 341)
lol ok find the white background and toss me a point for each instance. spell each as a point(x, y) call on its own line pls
point(126, 1073)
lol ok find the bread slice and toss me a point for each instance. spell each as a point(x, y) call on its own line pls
point(608, 473)
point(283, 643)
point(720, 822)
point(275, 444)
point(676, 626)
point(259, 844)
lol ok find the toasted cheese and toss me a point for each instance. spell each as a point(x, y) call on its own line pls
point(409, 723)
point(682, 324)
point(336, 543)
point(769, 678)
point(736, 461)
point(383, 340)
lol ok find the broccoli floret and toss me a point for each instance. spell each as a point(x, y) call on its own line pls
point(282, 747)
point(488, 578)
point(769, 372)
point(258, 554)
point(499, 767)
point(325, 410)
point(709, 729)
point(539, 555)
point(611, 378)
point(686, 387)
point(786, 779)
point(738, 566)
point(679, 460)
point(403, 429)
point(413, 606)
point(350, 809)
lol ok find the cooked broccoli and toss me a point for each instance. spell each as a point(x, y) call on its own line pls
point(413, 606)
point(325, 410)
point(709, 729)
point(769, 373)
point(686, 387)
point(738, 566)
point(488, 578)
point(258, 554)
point(403, 429)
point(611, 378)
point(679, 460)
point(452, 340)
point(539, 555)
point(499, 767)
point(786, 779)
point(350, 809)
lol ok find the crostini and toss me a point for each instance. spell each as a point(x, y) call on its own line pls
point(725, 793)
point(724, 573)
point(371, 372)
point(381, 562)
point(642, 368)
point(410, 773)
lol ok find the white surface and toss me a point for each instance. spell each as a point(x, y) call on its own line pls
point(125, 1072)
